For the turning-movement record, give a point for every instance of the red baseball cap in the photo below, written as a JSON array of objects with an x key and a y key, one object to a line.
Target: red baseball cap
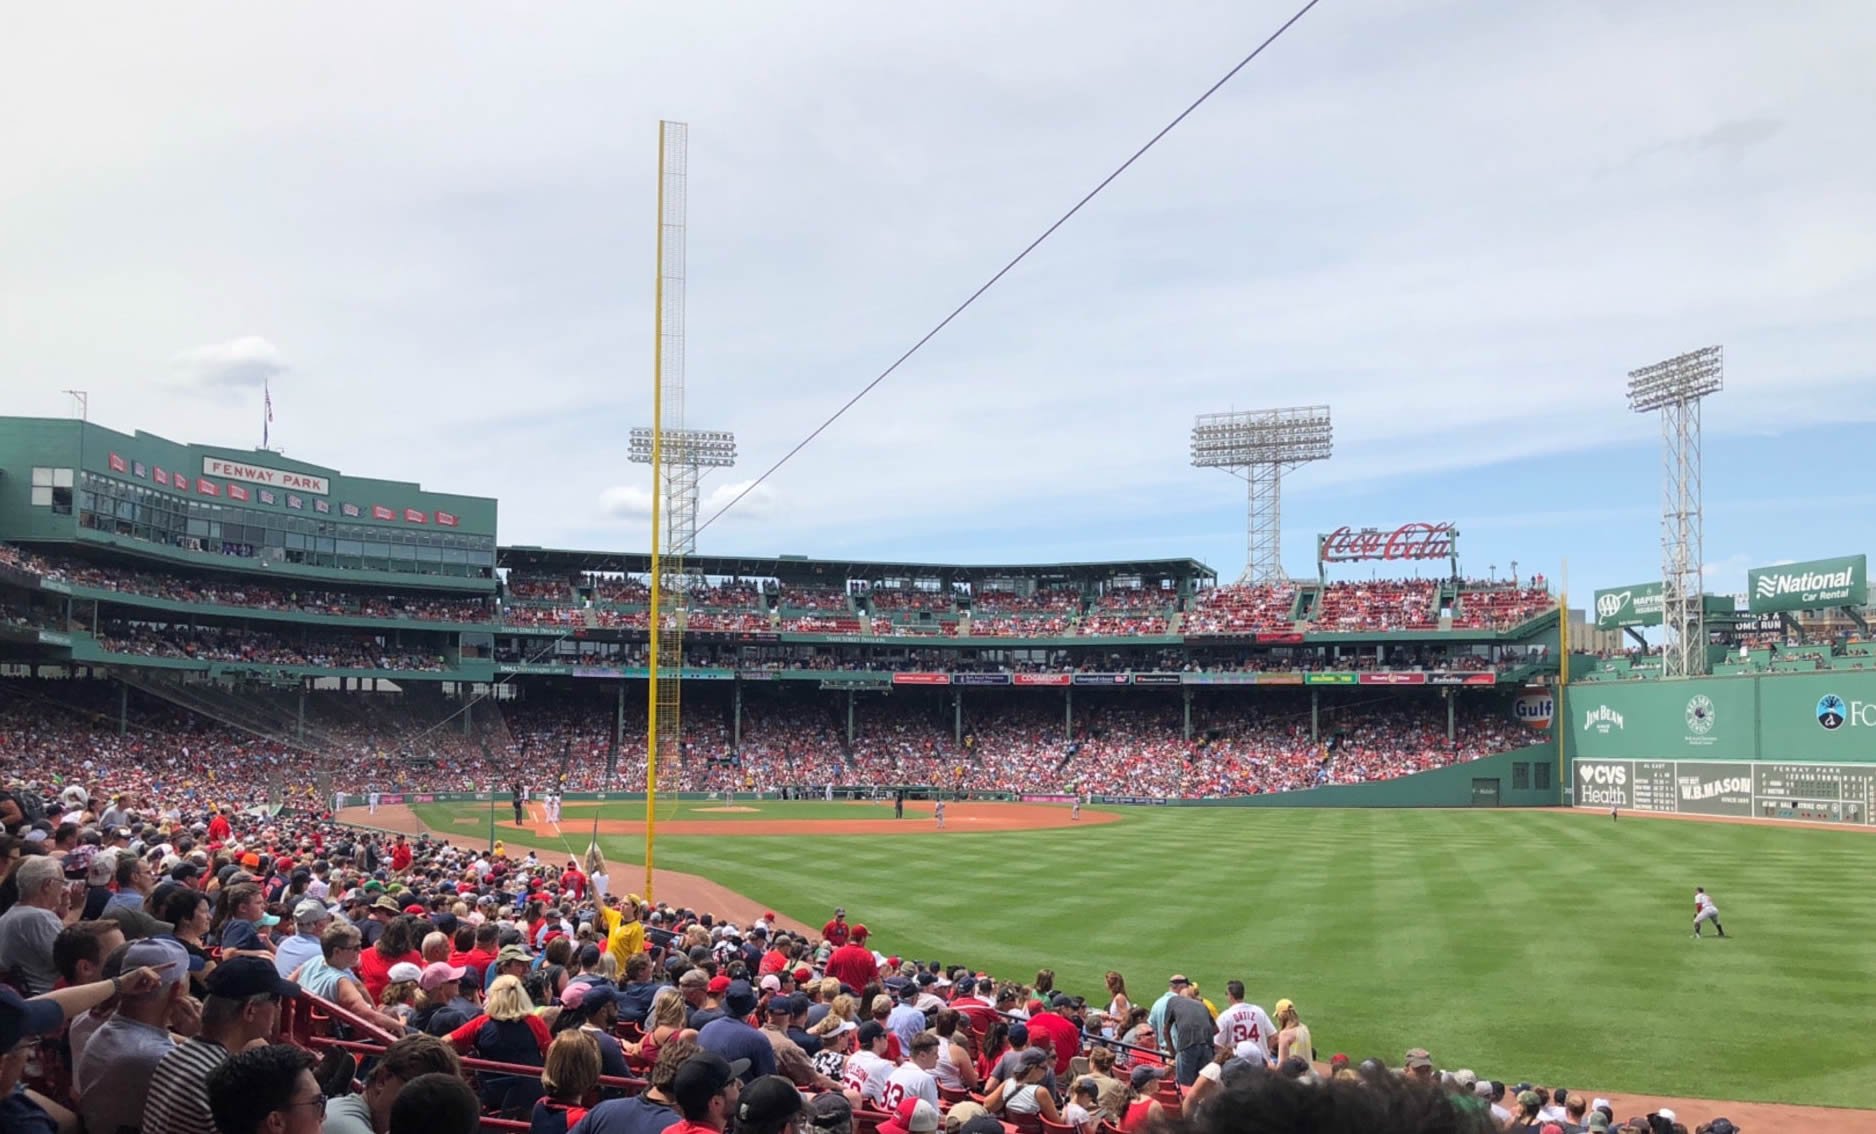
[
  {"x": 803, "y": 973},
  {"x": 719, "y": 984},
  {"x": 893, "y": 961},
  {"x": 414, "y": 908},
  {"x": 768, "y": 915}
]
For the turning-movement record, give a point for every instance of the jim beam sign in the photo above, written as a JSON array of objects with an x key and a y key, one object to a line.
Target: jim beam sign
[
  {"x": 1621, "y": 607},
  {"x": 1817, "y": 585},
  {"x": 1409, "y": 541}
]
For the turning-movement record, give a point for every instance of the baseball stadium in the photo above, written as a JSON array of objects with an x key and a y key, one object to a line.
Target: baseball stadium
[{"x": 1417, "y": 812}]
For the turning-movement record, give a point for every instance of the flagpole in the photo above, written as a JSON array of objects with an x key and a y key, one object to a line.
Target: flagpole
[{"x": 267, "y": 411}]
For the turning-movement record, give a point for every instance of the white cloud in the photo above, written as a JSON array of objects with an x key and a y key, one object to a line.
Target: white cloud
[
  {"x": 1727, "y": 576},
  {"x": 758, "y": 505},
  {"x": 626, "y": 502},
  {"x": 633, "y": 502},
  {"x": 244, "y": 363}
]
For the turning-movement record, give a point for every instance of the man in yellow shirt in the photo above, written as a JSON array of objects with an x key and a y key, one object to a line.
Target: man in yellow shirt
[{"x": 625, "y": 935}]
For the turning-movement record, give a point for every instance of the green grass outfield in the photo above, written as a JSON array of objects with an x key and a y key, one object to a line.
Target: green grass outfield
[{"x": 1537, "y": 945}]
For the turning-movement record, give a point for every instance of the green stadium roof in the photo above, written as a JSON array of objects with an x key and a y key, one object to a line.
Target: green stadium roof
[{"x": 799, "y": 568}]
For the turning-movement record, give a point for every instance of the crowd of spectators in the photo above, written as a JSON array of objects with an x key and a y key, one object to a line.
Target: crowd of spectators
[
  {"x": 1128, "y": 611},
  {"x": 1264, "y": 607},
  {"x": 611, "y": 601},
  {"x": 537, "y": 586},
  {"x": 1120, "y": 744},
  {"x": 1056, "y": 600},
  {"x": 885, "y": 600},
  {"x": 1500, "y": 607},
  {"x": 826, "y": 599},
  {"x": 1388, "y": 604},
  {"x": 252, "y": 594},
  {"x": 617, "y": 588},
  {"x": 260, "y": 647}
]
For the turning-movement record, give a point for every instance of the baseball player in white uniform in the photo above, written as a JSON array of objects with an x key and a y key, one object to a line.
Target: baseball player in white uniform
[
  {"x": 1705, "y": 910},
  {"x": 938, "y": 813}
]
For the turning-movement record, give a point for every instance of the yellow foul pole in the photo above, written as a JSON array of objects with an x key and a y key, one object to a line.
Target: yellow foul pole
[
  {"x": 1560, "y": 713},
  {"x": 657, "y": 532}
]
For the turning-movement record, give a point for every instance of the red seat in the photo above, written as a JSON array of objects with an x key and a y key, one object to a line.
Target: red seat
[
  {"x": 1024, "y": 1123},
  {"x": 951, "y": 1095},
  {"x": 1051, "y": 1127}
]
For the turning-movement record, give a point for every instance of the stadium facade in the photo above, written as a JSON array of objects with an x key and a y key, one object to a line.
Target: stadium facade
[{"x": 160, "y": 567}]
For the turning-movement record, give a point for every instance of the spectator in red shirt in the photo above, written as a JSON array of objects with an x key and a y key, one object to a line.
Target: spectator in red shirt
[
  {"x": 218, "y": 829},
  {"x": 395, "y": 945},
  {"x": 573, "y": 882},
  {"x": 852, "y": 964},
  {"x": 1064, "y": 1035},
  {"x": 835, "y": 932},
  {"x": 979, "y": 1011},
  {"x": 400, "y": 855}
]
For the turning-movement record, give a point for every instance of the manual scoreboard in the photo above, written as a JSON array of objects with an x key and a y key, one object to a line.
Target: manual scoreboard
[{"x": 1827, "y": 793}]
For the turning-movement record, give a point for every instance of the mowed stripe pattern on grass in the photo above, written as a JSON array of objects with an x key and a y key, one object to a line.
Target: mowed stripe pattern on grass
[{"x": 1540, "y": 945}]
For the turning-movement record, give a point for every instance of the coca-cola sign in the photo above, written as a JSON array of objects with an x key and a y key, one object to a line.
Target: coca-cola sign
[{"x": 1409, "y": 541}]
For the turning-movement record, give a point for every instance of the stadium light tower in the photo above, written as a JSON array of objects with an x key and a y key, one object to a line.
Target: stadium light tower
[
  {"x": 686, "y": 455},
  {"x": 1258, "y": 445},
  {"x": 1675, "y": 388}
]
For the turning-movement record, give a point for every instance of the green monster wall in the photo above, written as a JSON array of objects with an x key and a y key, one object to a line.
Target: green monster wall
[
  {"x": 1767, "y": 746},
  {"x": 1812, "y": 717}
]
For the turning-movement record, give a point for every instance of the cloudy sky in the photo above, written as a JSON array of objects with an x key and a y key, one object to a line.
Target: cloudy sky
[{"x": 1459, "y": 224}]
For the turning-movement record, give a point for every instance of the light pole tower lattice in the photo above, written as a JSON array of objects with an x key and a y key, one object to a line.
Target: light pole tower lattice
[
  {"x": 686, "y": 455},
  {"x": 1675, "y": 388},
  {"x": 1258, "y": 445}
]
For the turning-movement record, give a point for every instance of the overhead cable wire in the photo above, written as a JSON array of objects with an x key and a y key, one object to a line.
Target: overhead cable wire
[{"x": 1005, "y": 270}]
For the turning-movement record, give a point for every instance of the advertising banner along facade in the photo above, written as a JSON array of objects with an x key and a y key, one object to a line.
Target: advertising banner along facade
[
  {"x": 1637, "y": 605},
  {"x": 1816, "y": 585}
]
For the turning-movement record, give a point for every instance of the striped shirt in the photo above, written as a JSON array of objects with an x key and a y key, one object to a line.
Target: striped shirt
[{"x": 178, "y": 1102}]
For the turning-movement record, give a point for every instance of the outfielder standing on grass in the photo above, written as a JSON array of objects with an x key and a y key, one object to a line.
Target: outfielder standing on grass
[{"x": 1705, "y": 910}]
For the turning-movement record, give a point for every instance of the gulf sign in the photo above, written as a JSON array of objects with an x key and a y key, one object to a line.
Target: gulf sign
[{"x": 1534, "y": 709}]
